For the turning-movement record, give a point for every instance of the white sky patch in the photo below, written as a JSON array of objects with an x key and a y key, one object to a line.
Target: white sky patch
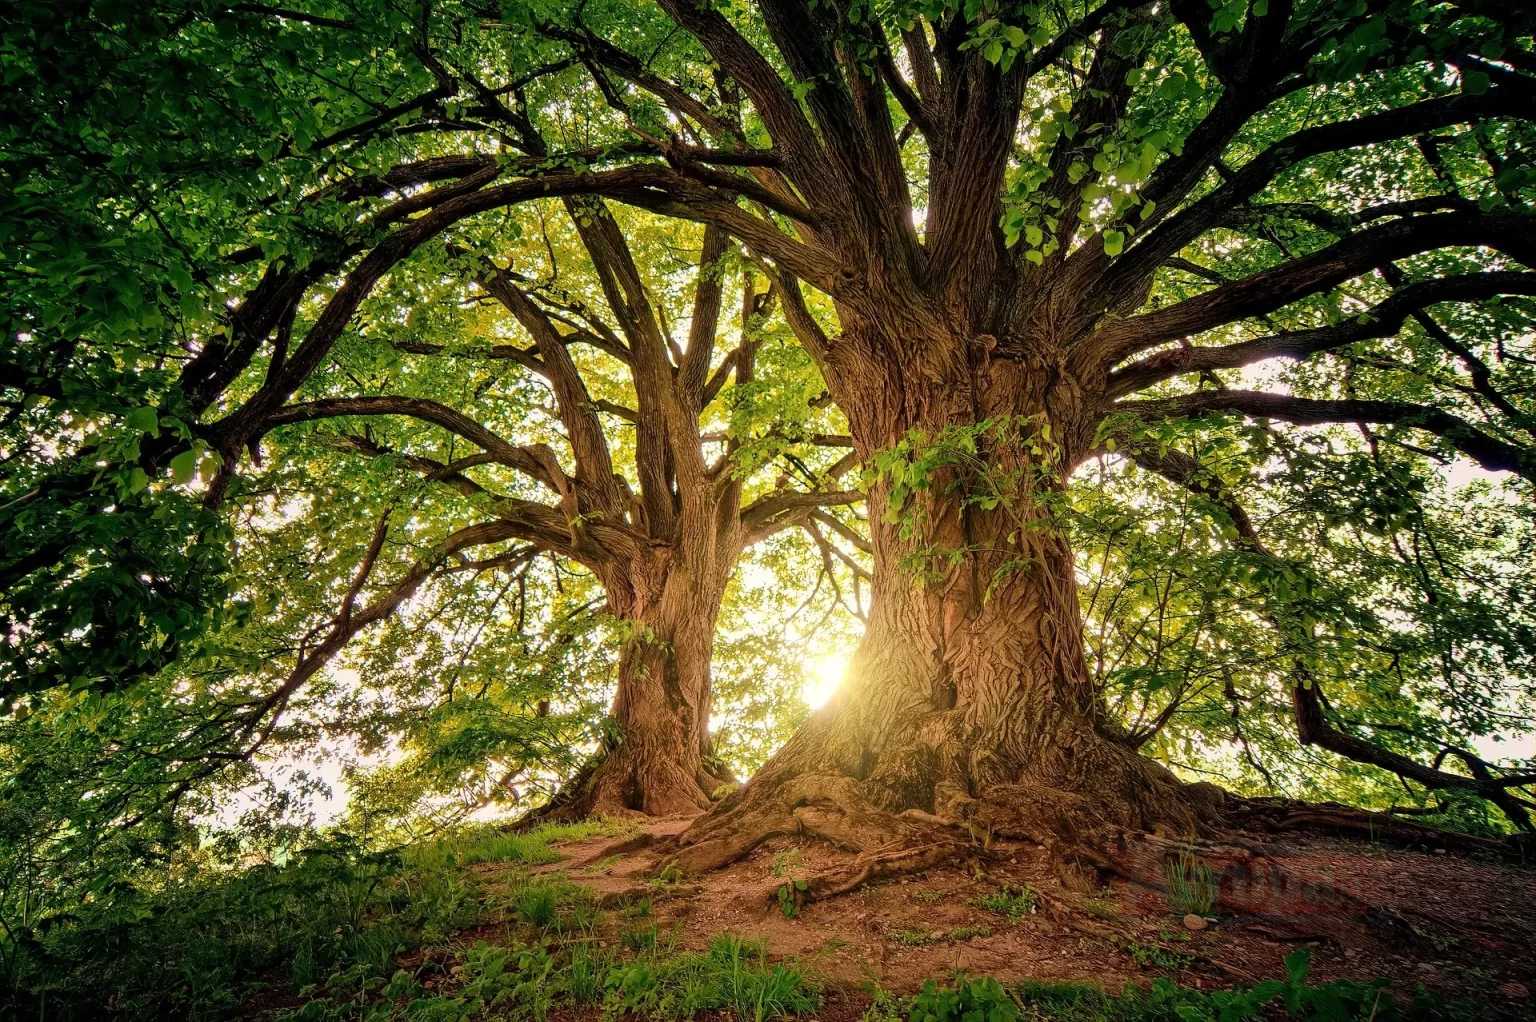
[{"x": 1511, "y": 745}]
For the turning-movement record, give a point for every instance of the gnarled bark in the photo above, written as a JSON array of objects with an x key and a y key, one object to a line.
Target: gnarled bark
[
  {"x": 968, "y": 710},
  {"x": 661, "y": 763}
]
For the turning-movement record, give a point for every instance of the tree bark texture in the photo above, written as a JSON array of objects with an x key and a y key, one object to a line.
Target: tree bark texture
[
  {"x": 661, "y": 764},
  {"x": 968, "y": 703}
]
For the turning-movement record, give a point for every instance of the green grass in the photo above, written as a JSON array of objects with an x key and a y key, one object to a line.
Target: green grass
[
  {"x": 537, "y": 906},
  {"x": 1015, "y": 903},
  {"x": 1101, "y": 906},
  {"x": 635, "y": 908},
  {"x": 917, "y": 938},
  {"x": 733, "y": 975},
  {"x": 490, "y": 843},
  {"x": 1165, "y": 1001},
  {"x": 1153, "y": 955},
  {"x": 334, "y": 924},
  {"x": 1192, "y": 886},
  {"x": 640, "y": 938},
  {"x": 912, "y": 938}
]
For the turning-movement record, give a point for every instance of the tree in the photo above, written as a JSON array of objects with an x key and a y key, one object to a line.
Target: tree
[
  {"x": 662, "y": 549},
  {"x": 661, "y": 541},
  {"x": 1073, "y": 160},
  {"x": 1028, "y": 233}
]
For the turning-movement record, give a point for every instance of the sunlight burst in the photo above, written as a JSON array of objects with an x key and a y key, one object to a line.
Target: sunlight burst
[{"x": 825, "y": 675}]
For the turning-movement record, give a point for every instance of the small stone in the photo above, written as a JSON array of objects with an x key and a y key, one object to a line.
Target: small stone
[
  {"x": 1514, "y": 991},
  {"x": 1426, "y": 967},
  {"x": 1439, "y": 851},
  {"x": 1194, "y": 922}
]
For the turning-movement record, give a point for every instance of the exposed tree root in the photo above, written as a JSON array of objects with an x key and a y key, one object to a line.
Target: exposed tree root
[
  {"x": 865, "y": 868},
  {"x": 611, "y": 785},
  {"x": 1275, "y": 815},
  {"x": 831, "y": 809},
  {"x": 1091, "y": 840}
]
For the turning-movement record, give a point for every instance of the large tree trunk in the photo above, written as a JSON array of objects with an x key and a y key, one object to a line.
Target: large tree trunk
[
  {"x": 968, "y": 704},
  {"x": 661, "y": 762}
]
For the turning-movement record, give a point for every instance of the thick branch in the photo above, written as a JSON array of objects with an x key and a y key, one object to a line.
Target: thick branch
[
  {"x": 1272, "y": 289},
  {"x": 1383, "y": 320},
  {"x": 776, "y": 511},
  {"x": 531, "y": 462},
  {"x": 1493, "y": 454},
  {"x": 1184, "y": 227},
  {"x": 594, "y": 464}
]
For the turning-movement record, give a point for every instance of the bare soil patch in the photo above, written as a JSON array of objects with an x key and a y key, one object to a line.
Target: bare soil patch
[{"x": 1457, "y": 925}]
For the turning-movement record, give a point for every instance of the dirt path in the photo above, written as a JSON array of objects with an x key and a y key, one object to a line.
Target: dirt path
[{"x": 1455, "y": 925}]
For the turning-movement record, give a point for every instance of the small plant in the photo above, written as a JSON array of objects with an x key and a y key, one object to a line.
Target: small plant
[
  {"x": 640, "y": 938},
  {"x": 1013, "y": 903},
  {"x": 1169, "y": 933},
  {"x": 1152, "y": 955},
  {"x": 636, "y": 908},
  {"x": 969, "y": 1000},
  {"x": 1192, "y": 887},
  {"x": 1101, "y": 906},
  {"x": 931, "y": 897},
  {"x": 607, "y": 862},
  {"x": 791, "y": 893},
  {"x": 785, "y": 862},
  {"x": 913, "y": 938},
  {"x": 884, "y": 1006},
  {"x": 671, "y": 875},
  {"x": 967, "y": 932},
  {"x": 584, "y": 918},
  {"x": 537, "y": 906},
  {"x": 587, "y": 970}
]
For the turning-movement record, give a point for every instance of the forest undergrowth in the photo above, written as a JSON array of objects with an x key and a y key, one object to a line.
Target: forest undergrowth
[{"x": 482, "y": 924}]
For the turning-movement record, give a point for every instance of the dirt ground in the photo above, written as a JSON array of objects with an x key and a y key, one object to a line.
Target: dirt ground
[{"x": 1457, "y": 925}]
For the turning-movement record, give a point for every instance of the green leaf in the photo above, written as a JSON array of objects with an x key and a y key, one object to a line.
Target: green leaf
[
  {"x": 1114, "y": 242},
  {"x": 145, "y": 420},
  {"x": 184, "y": 467}
]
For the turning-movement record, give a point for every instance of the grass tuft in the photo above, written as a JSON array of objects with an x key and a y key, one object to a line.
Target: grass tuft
[
  {"x": 1192, "y": 887},
  {"x": 1015, "y": 903}
]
